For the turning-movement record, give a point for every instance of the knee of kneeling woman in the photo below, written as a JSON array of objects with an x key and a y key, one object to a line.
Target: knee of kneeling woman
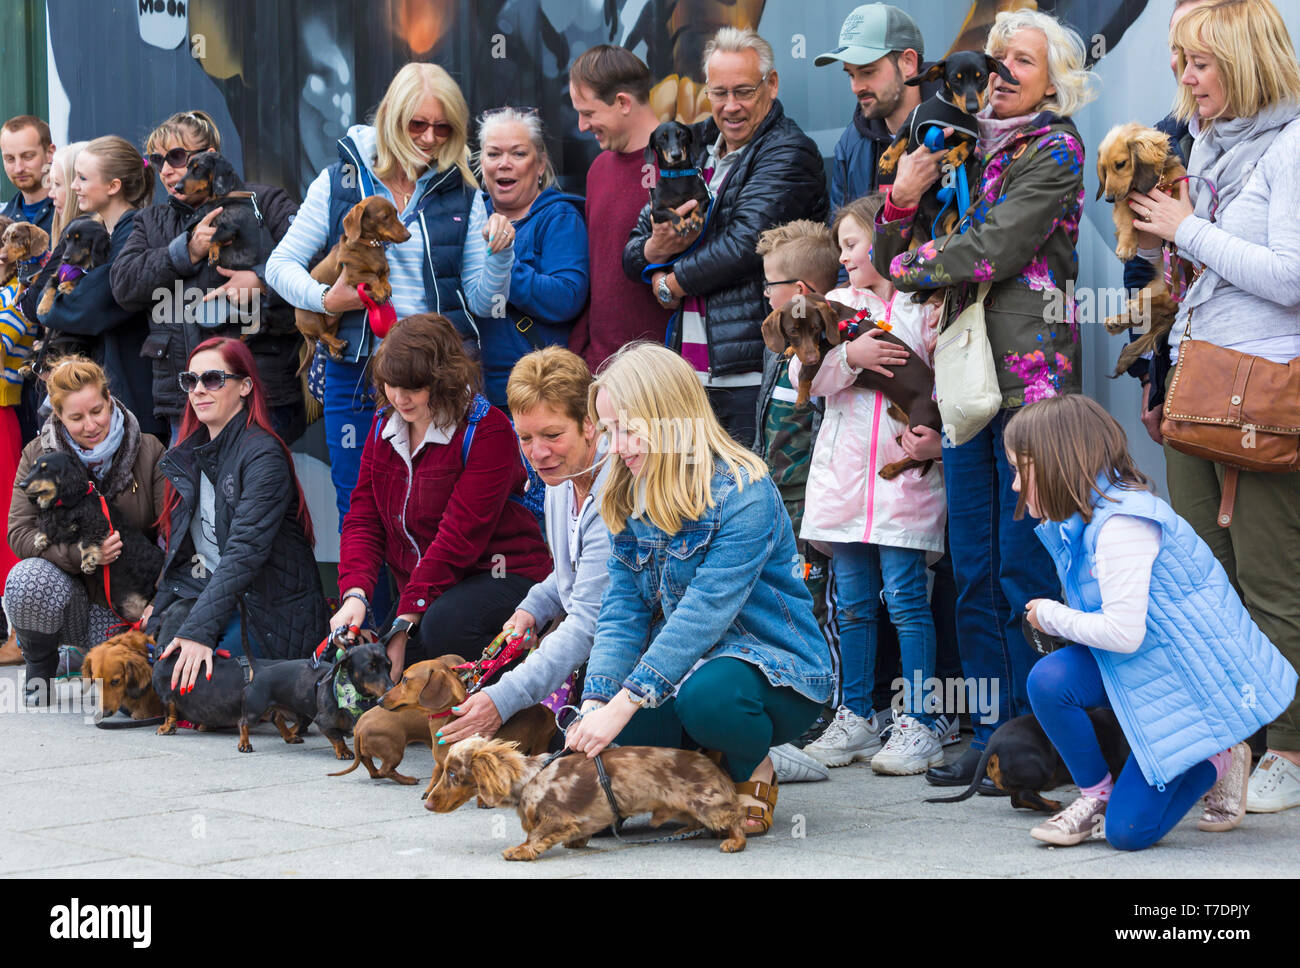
[{"x": 35, "y": 582}]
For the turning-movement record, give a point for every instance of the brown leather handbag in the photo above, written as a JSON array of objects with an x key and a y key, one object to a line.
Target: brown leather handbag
[{"x": 1235, "y": 409}]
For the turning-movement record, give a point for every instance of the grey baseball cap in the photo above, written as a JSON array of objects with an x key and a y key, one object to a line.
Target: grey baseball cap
[{"x": 870, "y": 32}]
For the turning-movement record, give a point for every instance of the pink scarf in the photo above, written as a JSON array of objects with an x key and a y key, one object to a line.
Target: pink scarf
[{"x": 997, "y": 133}]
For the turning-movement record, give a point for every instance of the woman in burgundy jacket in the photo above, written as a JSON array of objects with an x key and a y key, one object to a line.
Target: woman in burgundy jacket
[{"x": 442, "y": 513}]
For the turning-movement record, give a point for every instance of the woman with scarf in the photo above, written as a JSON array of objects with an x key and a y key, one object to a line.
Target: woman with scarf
[
  {"x": 1020, "y": 240},
  {"x": 48, "y": 600},
  {"x": 1237, "y": 225}
]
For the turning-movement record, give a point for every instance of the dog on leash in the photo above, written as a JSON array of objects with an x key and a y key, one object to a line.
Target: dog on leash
[
  {"x": 671, "y": 148},
  {"x": 23, "y": 245},
  {"x": 565, "y": 804},
  {"x": 121, "y": 665}
]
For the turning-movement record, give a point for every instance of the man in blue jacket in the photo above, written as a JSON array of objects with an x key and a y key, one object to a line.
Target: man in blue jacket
[{"x": 28, "y": 154}]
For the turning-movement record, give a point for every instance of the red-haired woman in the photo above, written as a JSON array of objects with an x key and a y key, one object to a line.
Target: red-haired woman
[{"x": 239, "y": 569}]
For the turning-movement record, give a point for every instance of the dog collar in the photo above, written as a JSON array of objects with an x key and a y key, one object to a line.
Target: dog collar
[
  {"x": 684, "y": 173},
  {"x": 850, "y": 328},
  {"x": 37, "y": 260}
]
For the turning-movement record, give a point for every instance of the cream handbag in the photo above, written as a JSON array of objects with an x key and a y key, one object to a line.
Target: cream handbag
[{"x": 965, "y": 378}]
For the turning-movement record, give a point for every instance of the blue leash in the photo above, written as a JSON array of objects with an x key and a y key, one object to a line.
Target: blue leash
[
  {"x": 648, "y": 272},
  {"x": 956, "y": 194}
]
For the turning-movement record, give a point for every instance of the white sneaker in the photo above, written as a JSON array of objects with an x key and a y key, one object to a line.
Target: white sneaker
[
  {"x": 912, "y": 748},
  {"x": 793, "y": 765},
  {"x": 848, "y": 738},
  {"x": 1274, "y": 786},
  {"x": 948, "y": 728}
]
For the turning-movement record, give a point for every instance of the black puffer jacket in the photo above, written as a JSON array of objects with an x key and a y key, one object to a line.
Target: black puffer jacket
[
  {"x": 146, "y": 274},
  {"x": 267, "y": 572},
  {"x": 779, "y": 178}
]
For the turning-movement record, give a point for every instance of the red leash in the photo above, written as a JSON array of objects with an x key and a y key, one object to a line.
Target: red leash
[{"x": 108, "y": 587}]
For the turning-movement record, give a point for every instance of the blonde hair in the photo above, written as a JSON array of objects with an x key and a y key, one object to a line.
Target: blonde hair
[
  {"x": 658, "y": 397},
  {"x": 551, "y": 376},
  {"x": 119, "y": 160},
  {"x": 862, "y": 210},
  {"x": 1249, "y": 44},
  {"x": 1066, "y": 57},
  {"x": 70, "y": 375},
  {"x": 803, "y": 249},
  {"x": 394, "y": 148},
  {"x": 65, "y": 160},
  {"x": 532, "y": 124},
  {"x": 188, "y": 127},
  {"x": 737, "y": 40}
]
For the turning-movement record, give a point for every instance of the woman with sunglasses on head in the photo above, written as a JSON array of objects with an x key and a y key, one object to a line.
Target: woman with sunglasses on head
[
  {"x": 48, "y": 599},
  {"x": 239, "y": 572},
  {"x": 163, "y": 268},
  {"x": 456, "y": 263},
  {"x": 112, "y": 182},
  {"x": 548, "y": 284}
]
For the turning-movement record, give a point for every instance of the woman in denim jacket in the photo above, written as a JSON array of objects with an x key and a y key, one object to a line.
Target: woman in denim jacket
[{"x": 706, "y": 633}]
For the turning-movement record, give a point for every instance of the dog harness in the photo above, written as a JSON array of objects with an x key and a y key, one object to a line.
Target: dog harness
[
  {"x": 851, "y": 328},
  {"x": 683, "y": 173}
]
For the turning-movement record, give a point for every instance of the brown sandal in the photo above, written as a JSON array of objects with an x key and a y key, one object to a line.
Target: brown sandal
[{"x": 755, "y": 814}]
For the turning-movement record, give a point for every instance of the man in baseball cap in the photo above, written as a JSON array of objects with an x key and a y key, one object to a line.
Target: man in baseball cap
[{"x": 880, "y": 47}]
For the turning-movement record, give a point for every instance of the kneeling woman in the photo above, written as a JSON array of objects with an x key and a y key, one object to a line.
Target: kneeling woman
[
  {"x": 707, "y": 630},
  {"x": 239, "y": 572},
  {"x": 437, "y": 499},
  {"x": 47, "y": 598}
]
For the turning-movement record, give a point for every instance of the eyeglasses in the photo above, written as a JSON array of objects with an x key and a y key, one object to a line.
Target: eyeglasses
[
  {"x": 212, "y": 380},
  {"x": 743, "y": 95},
  {"x": 441, "y": 129},
  {"x": 769, "y": 286},
  {"x": 177, "y": 157}
]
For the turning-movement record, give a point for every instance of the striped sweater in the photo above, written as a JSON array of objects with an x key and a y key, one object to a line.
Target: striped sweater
[{"x": 16, "y": 342}]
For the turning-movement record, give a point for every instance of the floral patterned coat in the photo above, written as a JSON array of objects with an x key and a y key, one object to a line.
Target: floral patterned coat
[{"x": 1024, "y": 241}]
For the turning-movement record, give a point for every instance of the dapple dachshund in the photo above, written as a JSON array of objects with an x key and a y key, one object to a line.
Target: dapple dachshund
[
  {"x": 121, "y": 667},
  {"x": 565, "y": 803},
  {"x": 211, "y": 182},
  {"x": 23, "y": 244},
  {"x": 671, "y": 148},
  {"x": 359, "y": 255},
  {"x": 809, "y": 326}
]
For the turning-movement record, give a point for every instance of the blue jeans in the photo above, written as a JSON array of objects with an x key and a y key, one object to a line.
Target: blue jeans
[
  {"x": 861, "y": 571},
  {"x": 999, "y": 565},
  {"x": 1062, "y": 688}
]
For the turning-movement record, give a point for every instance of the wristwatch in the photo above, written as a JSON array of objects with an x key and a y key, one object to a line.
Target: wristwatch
[
  {"x": 398, "y": 627},
  {"x": 662, "y": 291}
]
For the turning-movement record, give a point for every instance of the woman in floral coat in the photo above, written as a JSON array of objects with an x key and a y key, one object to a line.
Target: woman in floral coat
[{"x": 1021, "y": 237}]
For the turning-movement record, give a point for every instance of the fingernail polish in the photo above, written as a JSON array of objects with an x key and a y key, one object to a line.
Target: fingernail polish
[{"x": 442, "y": 742}]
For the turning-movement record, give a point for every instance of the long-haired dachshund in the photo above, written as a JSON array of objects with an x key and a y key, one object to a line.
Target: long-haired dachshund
[
  {"x": 358, "y": 255},
  {"x": 85, "y": 245},
  {"x": 808, "y": 326},
  {"x": 565, "y": 804},
  {"x": 121, "y": 666},
  {"x": 23, "y": 244}
]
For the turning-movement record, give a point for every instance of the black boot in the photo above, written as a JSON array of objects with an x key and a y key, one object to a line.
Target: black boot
[
  {"x": 41, "y": 652},
  {"x": 961, "y": 771}
]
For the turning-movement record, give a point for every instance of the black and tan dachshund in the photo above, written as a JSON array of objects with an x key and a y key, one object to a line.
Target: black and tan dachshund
[
  {"x": 965, "y": 76},
  {"x": 671, "y": 149},
  {"x": 1021, "y": 760},
  {"x": 211, "y": 182},
  {"x": 69, "y": 511},
  {"x": 85, "y": 245}
]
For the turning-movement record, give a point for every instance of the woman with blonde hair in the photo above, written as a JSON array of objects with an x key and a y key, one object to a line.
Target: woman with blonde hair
[
  {"x": 456, "y": 262},
  {"x": 707, "y": 633},
  {"x": 1236, "y": 224},
  {"x": 61, "y": 175}
]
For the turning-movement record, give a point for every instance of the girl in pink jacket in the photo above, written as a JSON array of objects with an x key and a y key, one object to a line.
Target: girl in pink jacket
[{"x": 879, "y": 531}]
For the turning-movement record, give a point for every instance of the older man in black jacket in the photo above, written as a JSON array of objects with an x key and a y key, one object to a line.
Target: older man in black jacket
[{"x": 763, "y": 171}]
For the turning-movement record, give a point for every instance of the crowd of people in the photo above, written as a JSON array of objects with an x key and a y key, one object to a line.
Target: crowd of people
[{"x": 717, "y": 561}]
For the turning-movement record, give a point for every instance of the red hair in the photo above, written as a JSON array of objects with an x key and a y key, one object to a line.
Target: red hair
[{"x": 239, "y": 361}]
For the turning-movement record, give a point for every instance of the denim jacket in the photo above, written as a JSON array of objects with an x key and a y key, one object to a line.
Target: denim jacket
[{"x": 729, "y": 584}]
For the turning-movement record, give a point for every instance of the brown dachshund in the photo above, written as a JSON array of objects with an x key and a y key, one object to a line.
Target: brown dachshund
[
  {"x": 433, "y": 688},
  {"x": 808, "y": 327},
  {"x": 565, "y": 804},
  {"x": 359, "y": 255},
  {"x": 383, "y": 734},
  {"x": 121, "y": 665},
  {"x": 22, "y": 243},
  {"x": 1134, "y": 158}
]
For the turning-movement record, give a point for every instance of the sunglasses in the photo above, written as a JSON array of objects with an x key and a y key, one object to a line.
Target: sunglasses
[
  {"x": 441, "y": 129},
  {"x": 177, "y": 158},
  {"x": 212, "y": 380}
]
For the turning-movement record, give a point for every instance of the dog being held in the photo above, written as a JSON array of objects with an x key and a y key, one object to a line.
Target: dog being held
[
  {"x": 85, "y": 245},
  {"x": 1021, "y": 760},
  {"x": 671, "y": 149},
  {"x": 565, "y": 804},
  {"x": 1135, "y": 158},
  {"x": 210, "y": 181},
  {"x": 808, "y": 326},
  {"x": 359, "y": 256},
  {"x": 966, "y": 76},
  {"x": 69, "y": 511},
  {"x": 121, "y": 666},
  {"x": 23, "y": 245}
]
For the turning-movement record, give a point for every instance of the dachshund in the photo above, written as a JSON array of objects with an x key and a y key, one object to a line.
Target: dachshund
[
  {"x": 211, "y": 182},
  {"x": 1021, "y": 760},
  {"x": 70, "y": 510},
  {"x": 809, "y": 326},
  {"x": 1134, "y": 158},
  {"x": 383, "y": 734},
  {"x": 966, "y": 75},
  {"x": 433, "y": 687},
  {"x": 358, "y": 254},
  {"x": 121, "y": 666},
  {"x": 561, "y": 801},
  {"x": 85, "y": 245},
  {"x": 24, "y": 245},
  {"x": 670, "y": 149}
]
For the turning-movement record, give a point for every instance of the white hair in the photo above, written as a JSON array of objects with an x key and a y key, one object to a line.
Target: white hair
[
  {"x": 736, "y": 40},
  {"x": 1066, "y": 56},
  {"x": 531, "y": 122}
]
